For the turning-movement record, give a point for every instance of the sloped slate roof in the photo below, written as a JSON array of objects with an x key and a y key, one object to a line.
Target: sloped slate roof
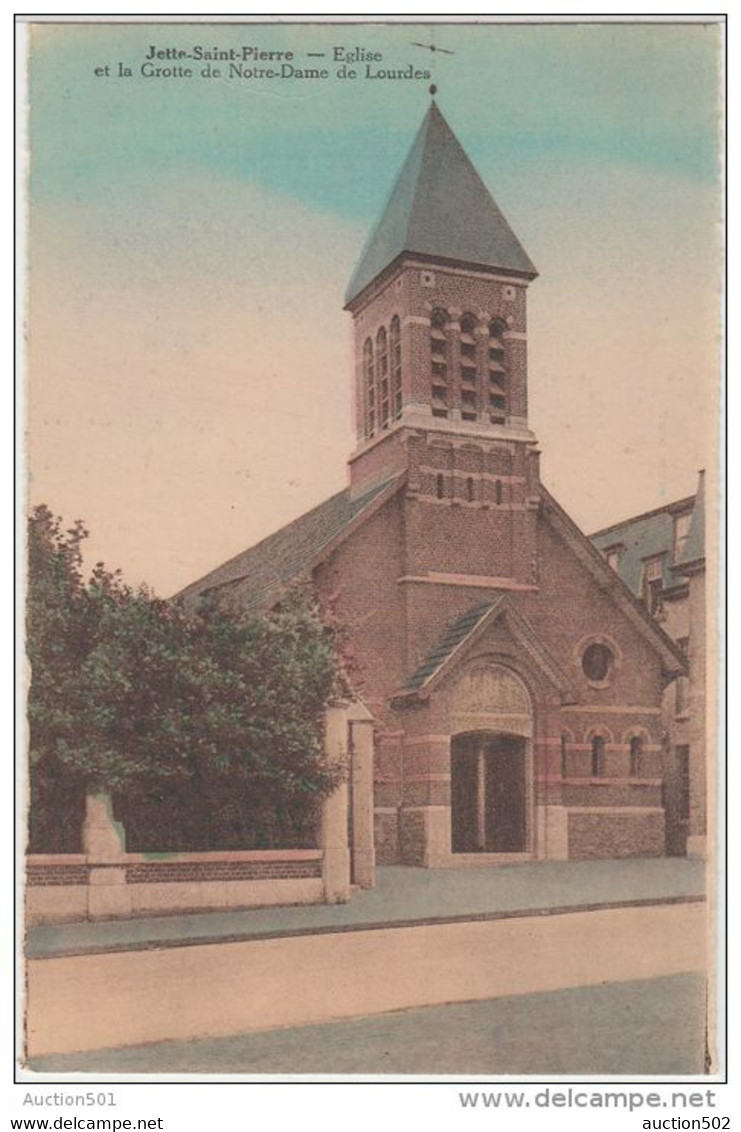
[
  {"x": 694, "y": 547},
  {"x": 624, "y": 597},
  {"x": 266, "y": 568},
  {"x": 440, "y": 207},
  {"x": 643, "y": 537},
  {"x": 453, "y": 636}
]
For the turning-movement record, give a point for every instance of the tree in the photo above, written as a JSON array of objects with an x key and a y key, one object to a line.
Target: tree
[{"x": 216, "y": 719}]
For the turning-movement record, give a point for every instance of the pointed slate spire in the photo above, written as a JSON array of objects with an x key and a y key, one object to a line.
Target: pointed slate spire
[{"x": 440, "y": 207}]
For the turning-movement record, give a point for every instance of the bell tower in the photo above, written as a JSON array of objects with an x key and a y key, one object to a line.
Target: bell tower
[{"x": 438, "y": 301}]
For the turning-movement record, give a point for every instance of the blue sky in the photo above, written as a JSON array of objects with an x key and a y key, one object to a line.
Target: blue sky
[
  {"x": 186, "y": 235},
  {"x": 638, "y": 95}
]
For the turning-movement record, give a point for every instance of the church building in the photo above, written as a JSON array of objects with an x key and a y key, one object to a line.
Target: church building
[{"x": 514, "y": 679}]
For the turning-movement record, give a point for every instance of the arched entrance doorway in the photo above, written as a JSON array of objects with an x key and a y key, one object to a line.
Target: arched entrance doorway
[
  {"x": 491, "y": 718},
  {"x": 488, "y": 793}
]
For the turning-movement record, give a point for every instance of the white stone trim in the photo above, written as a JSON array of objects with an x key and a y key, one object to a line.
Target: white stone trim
[
  {"x": 465, "y": 581},
  {"x": 425, "y": 740},
  {"x": 475, "y": 273},
  {"x": 614, "y": 810},
  {"x": 475, "y": 504},
  {"x": 612, "y": 708}
]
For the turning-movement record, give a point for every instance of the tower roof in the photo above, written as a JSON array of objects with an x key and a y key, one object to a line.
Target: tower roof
[{"x": 440, "y": 207}]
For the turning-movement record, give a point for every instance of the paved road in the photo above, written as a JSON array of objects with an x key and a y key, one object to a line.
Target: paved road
[
  {"x": 171, "y": 993},
  {"x": 646, "y": 1027},
  {"x": 401, "y": 895}
]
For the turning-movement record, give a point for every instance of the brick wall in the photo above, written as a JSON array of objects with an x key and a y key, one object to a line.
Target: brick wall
[
  {"x": 153, "y": 872},
  {"x": 593, "y": 835},
  {"x": 57, "y": 874}
]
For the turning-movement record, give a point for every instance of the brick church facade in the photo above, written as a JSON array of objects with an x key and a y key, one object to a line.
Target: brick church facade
[{"x": 514, "y": 679}]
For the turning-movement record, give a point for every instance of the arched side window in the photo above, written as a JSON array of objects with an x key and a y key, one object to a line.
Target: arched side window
[
  {"x": 395, "y": 349},
  {"x": 469, "y": 370},
  {"x": 369, "y": 385},
  {"x": 439, "y": 362},
  {"x": 598, "y": 756},
  {"x": 564, "y": 756},
  {"x": 497, "y": 391},
  {"x": 636, "y": 756},
  {"x": 382, "y": 373}
]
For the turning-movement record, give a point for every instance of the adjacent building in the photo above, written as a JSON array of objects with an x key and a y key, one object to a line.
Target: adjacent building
[{"x": 660, "y": 555}]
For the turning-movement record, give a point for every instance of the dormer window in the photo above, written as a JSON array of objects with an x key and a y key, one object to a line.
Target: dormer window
[
  {"x": 653, "y": 583},
  {"x": 439, "y": 362},
  {"x": 612, "y": 557},
  {"x": 681, "y": 531}
]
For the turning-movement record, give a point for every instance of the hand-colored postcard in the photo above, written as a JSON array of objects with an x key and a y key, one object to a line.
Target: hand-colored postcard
[{"x": 373, "y": 380}]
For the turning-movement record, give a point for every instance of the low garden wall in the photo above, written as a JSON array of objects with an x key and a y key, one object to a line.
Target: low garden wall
[
  {"x": 67, "y": 887},
  {"x": 106, "y": 882}
]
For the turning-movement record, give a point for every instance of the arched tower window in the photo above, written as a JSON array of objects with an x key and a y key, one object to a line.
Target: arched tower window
[
  {"x": 636, "y": 756},
  {"x": 369, "y": 385},
  {"x": 497, "y": 372},
  {"x": 439, "y": 362},
  {"x": 382, "y": 367},
  {"x": 469, "y": 373},
  {"x": 395, "y": 350}
]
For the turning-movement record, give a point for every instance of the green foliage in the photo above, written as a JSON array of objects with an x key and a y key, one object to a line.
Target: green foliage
[{"x": 221, "y": 711}]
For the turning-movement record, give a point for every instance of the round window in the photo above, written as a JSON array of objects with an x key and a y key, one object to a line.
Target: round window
[{"x": 596, "y": 662}]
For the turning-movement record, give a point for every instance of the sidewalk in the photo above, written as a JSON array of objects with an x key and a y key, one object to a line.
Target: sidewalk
[{"x": 403, "y": 896}]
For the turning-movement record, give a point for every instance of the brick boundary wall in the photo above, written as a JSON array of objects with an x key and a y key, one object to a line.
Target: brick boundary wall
[
  {"x": 38, "y": 875},
  {"x": 155, "y": 872},
  {"x": 74, "y": 868},
  {"x": 68, "y": 887}
]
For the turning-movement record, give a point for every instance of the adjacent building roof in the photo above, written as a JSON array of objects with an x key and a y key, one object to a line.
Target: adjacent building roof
[
  {"x": 693, "y": 552},
  {"x": 440, "y": 207},
  {"x": 263, "y": 572},
  {"x": 642, "y": 537}
]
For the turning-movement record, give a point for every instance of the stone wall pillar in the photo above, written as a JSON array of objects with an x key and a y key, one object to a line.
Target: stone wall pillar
[
  {"x": 334, "y": 840},
  {"x": 102, "y": 836},
  {"x": 361, "y": 784},
  {"x": 551, "y": 833},
  {"x": 104, "y": 842}
]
